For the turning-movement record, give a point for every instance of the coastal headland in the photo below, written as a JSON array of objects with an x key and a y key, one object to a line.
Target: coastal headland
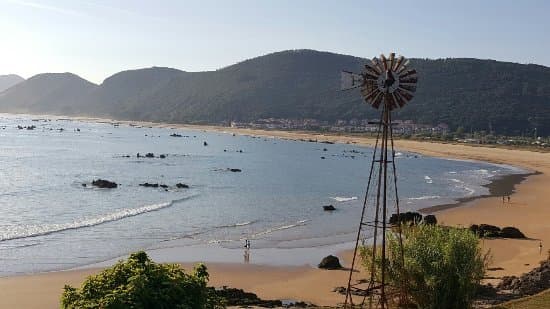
[{"x": 527, "y": 210}]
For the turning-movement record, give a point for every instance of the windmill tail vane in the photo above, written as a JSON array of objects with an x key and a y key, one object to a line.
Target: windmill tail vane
[{"x": 390, "y": 83}]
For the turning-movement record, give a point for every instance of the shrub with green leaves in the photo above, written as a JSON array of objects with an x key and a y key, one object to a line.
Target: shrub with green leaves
[
  {"x": 141, "y": 283},
  {"x": 442, "y": 268}
]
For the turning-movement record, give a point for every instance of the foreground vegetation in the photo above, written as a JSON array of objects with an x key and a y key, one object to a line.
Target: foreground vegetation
[
  {"x": 442, "y": 267},
  {"x": 541, "y": 300},
  {"x": 141, "y": 283}
]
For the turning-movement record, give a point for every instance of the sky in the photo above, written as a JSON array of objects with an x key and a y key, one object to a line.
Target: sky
[{"x": 95, "y": 39}]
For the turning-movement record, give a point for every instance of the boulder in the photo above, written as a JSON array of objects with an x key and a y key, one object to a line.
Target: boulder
[
  {"x": 150, "y": 155},
  {"x": 487, "y": 230},
  {"x": 330, "y": 262},
  {"x": 430, "y": 220},
  {"x": 328, "y": 208},
  {"x": 162, "y": 156},
  {"x": 149, "y": 185},
  {"x": 234, "y": 170},
  {"x": 102, "y": 183},
  {"x": 511, "y": 232},
  {"x": 407, "y": 217},
  {"x": 180, "y": 185}
]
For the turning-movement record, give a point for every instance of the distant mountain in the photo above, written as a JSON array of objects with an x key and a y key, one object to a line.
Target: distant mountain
[
  {"x": 58, "y": 93},
  {"x": 476, "y": 94},
  {"x": 6, "y": 81}
]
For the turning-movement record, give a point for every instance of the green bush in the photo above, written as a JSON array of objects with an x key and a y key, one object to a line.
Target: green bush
[
  {"x": 141, "y": 283},
  {"x": 442, "y": 266}
]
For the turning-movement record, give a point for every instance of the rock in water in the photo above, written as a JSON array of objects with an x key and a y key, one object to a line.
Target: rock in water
[
  {"x": 180, "y": 185},
  {"x": 330, "y": 262},
  {"x": 102, "y": 183},
  {"x": 235, "y": 170},
  {"x": 328, "y": 208}
]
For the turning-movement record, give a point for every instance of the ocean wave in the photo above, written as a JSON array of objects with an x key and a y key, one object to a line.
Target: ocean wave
[
  {"x": 344, "y": 199},
  {"x": 27, "y": 231},
  {"x": 456, "y": 180},
  {"x": 426, "y": 197},
  {"x": 239, "y": 224},
  {"x": 279, "y": 228}
]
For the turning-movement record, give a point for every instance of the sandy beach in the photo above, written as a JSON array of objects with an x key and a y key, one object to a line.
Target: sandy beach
[{"x": 527, "y": 210}]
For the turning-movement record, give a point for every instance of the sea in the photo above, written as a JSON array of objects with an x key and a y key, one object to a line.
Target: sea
[{"x": 53, "y": 218}]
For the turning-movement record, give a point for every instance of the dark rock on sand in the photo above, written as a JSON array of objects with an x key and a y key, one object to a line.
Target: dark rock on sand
[
  {"x": 529, "y": 283},
  {"x": 430, "y": 220},
  {"x": 511, "y": 232},
  {"x": 238, "y": 297},
  {"x": 330, "y": 262},
  {"x": 406, "y": 217},
  {"x": 102, "y": 183},
  {"x": 486, "y": 230},
  {"x": 328, "y": 208}
]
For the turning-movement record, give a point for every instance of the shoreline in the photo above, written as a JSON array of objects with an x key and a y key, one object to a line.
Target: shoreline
[
  {"x": 525, "y": 211},
  {"x": 501, "y": 186}
]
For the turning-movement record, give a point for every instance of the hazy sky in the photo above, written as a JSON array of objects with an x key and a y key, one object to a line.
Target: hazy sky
[{"x": 95, "y": 39}]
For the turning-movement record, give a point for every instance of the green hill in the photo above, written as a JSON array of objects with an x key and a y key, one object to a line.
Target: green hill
[{"x": 508, "y": 98}]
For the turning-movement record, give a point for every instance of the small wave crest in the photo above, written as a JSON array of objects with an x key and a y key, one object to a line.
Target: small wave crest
[
  {"x": 344, "y": 199},
  {"x": 279, "y": 228},
  {"x": 26, "y": 231},
  {"x": 427, "y": 197},
  {"x": 239, "y": 224}
]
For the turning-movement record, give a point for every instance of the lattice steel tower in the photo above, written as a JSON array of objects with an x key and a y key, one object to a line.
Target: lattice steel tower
[{"x": 386, "y": 82}]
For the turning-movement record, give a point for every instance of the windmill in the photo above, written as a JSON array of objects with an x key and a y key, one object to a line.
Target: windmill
[{"x": 388, "y": 83}]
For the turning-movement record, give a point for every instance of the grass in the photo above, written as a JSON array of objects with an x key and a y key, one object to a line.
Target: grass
[{"x": 541, "y": 300}]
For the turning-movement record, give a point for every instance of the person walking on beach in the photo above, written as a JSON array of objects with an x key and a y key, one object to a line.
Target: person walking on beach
[
  {"x": 508, "y": 199},
  {"x": 540, "y": 247},
  {"x": 503, "y": 199}
]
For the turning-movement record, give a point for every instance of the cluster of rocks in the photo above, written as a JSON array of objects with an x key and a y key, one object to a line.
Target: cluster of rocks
[
  {"x": 103, "y": 183},
  {"x": 179, "y": 185},
  {"x": 412, "y": 218},
  {"x": 27, "y": 127},
  {"x": 330, "y": 262},
  {"x": 487, "y": 230},
  {"x": 238, "y": 297},
  {"x": 234, "y": 170},
  {"x": 106, "y": 184},
  {"x": 150, "y": 155},
  {"x": 529, "y": 283}
]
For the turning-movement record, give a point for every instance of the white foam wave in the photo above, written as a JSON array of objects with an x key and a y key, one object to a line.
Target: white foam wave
[
  {"x": 237, "y": 224},
  {"x": 456, "y": 180},
  {"x": 427, "y": 197},
  {"x": 25, "y": 231},
  {"x": 344, "y": 199},
  {"x": 427, "y": 178},
  {"x": 279, "y": 228}
]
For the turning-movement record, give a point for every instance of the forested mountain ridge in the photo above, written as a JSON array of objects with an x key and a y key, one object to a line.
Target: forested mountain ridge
[{"x": 508, "y": 98}]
